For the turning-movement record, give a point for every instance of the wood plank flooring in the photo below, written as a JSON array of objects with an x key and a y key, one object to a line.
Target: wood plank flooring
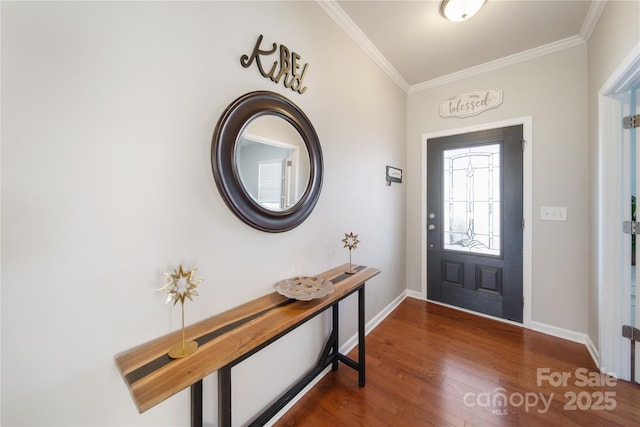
[{"x": 429, "y": 365}]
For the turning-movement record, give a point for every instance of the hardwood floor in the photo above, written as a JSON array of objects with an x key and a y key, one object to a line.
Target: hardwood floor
[{"x": 429, "y": 365}]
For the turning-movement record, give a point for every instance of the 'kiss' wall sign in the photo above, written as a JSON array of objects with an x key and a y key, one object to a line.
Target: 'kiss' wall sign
[
  {"x": 471, "y": 103},
  {"x": 286, "y": 67}
]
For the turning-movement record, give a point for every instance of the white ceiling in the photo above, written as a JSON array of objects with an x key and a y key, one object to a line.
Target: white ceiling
[{"x": 417, "y": 46}]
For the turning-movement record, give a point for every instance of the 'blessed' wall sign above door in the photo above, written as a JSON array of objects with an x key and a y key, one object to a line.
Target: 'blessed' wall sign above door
[
  {"x": 471, "y": 103},
  {"x": 286, "y": 67}
]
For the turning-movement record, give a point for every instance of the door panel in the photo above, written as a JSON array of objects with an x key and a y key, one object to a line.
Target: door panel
[{"x": 474, "y": 221}]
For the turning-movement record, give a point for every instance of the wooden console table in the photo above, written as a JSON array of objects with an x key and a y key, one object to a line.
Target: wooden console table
[{"x": 229, "y": 338}]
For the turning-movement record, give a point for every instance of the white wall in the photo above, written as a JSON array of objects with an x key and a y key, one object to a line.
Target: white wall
[
  {"x": 108, "y": 111},
  {"x": 552, "y": 90}
]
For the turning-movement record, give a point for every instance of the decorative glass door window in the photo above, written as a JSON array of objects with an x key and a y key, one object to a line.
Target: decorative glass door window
[{"x": 472, "y": 205}]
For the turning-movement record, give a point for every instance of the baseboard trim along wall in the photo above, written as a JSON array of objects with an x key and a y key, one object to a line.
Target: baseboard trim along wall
[
  {"x": 414, "y": 294},
  {"x": 593, "y": 351},
  {"x": 559, "y": 332},
  {"x": 566, "y": 334}
]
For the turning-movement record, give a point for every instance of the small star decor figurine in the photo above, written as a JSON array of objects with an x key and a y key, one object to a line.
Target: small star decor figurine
[
  {"x": 180, "y": 285},
  {"x": 350, "y": 241}
]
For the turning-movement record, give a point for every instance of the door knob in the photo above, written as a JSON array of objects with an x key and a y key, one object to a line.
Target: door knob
[{"x": 431, "y": 227}]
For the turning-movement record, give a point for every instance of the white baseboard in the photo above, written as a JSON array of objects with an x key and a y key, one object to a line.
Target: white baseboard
[
  {"x": 415, "y": 294},
  {"x": 593, "y": 351},
  {"x": 559, "y": 332},
  {"x": 371, "y": 324},
  {"x": 571, "y": 336},
  {"x": 344, "y": 349}
]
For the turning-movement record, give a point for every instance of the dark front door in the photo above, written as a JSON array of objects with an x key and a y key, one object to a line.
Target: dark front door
[{"x": 474, "y": 221}]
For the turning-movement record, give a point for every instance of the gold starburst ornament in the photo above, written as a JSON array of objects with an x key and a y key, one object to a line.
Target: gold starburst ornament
[
  {"x": 350, "y": 241},
  {"x": 181, "y": 284}
]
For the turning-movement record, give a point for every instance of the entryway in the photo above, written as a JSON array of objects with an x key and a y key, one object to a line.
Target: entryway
[{"x": 477, "y": 196}]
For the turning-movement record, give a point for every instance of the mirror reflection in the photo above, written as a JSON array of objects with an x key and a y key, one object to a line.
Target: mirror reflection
[{"x": 272, "y": 162}]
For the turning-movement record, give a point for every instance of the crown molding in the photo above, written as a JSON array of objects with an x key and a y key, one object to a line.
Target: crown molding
[
  {"x": 337, "y": 14},
  {"x": 591, "y": 20},
  {"x": 332, "y": 9},
  {"x": 526, "y": 55}
]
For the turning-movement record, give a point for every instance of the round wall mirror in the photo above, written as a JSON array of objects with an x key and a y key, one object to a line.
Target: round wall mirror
[{"x": 267, "y": 161}]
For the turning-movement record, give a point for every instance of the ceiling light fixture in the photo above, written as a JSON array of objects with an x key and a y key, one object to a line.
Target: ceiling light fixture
[{"x": 460, "y": 10}]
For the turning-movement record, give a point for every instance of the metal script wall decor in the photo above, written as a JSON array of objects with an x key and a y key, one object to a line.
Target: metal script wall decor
[
  {"x": 471, "y": 103},
  {"x": 286, "y": 67}
]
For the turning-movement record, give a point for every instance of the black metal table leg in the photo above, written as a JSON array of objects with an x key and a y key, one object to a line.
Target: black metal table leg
[
  {"x": 361, "y": 337},
  {"x": 196, "y": 404},
  {"x": 334, "y": 365},
  {"x": 224, "y": 396}
]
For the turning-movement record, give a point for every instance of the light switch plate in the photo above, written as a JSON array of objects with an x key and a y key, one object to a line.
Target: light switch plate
[{"x": 553, "y": 213}]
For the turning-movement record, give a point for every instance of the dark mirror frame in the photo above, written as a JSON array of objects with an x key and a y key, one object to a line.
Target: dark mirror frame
[{"x": 230, "y": 125}]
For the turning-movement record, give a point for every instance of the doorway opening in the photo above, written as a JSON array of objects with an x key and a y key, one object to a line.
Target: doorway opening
[{"x": 618, "y": 160}]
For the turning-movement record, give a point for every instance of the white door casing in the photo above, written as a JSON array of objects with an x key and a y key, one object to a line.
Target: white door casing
[
  {"x": 636, "y": 307},
  {"x": 614, "y": 249}
]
